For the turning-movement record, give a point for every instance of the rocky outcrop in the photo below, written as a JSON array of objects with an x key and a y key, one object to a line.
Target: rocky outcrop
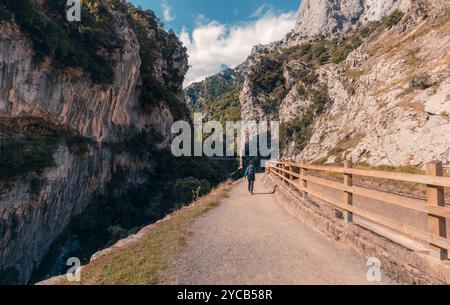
[
  {"x": 327, "y": 17},
  {"x": 387, "y": 102}
]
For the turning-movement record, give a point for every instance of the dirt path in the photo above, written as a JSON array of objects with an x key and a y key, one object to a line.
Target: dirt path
[{"x": 253, "y": 240}]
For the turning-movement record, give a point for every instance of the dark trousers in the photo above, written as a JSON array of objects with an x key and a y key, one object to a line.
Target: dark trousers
[{"x": 251, "y": 184}]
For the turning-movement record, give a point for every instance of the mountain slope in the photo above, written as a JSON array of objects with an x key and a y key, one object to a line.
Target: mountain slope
[
  {"x": 217, "y": 96},
  {"x": 376, "y": 91}
]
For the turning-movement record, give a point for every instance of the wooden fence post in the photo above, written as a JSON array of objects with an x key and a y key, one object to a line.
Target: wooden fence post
[
  {"x": 348, "y": 196},
  {"x": 289, "y": 168},
  {"x": 296, "y": 170},
  {"x": 304, "y": 182},
  {"x": 435, "y": 197}
]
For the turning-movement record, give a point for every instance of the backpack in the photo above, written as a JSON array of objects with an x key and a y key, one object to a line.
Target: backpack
[{"x": 251, "y": 173}]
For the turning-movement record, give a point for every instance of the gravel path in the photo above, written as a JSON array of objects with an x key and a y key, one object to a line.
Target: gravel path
[{"x": 253, "y": 240}]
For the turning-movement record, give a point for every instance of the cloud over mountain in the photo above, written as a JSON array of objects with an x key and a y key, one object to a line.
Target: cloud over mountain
[{"x": 212, "y": 44}]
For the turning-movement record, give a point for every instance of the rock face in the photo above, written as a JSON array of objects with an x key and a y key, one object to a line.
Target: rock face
[
  {"x": 387, "y": 101},
  {"x": 69, "y": 100},
  {"x": 29, "y": 223},
  {"x": 326, "y": 17}
]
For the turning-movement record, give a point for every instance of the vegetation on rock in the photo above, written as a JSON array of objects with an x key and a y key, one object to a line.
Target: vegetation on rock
[
  {"x": 300, "y": 129},
  {"x": 88, "y": 46},
  {"x": 393, "y": 19}
]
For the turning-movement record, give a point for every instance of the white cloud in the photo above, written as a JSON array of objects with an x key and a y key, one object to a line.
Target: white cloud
[
  {"x": 261, "y": 10},
  {"x": 212, "y": 45},
  {"x": 167, "y": 12},
  {"x": 201, "y": 19}
]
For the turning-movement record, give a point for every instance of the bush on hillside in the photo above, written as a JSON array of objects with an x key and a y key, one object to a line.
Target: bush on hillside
[
  {"x": 421, "y": 81},
  {"x": 393, "y": 19}
]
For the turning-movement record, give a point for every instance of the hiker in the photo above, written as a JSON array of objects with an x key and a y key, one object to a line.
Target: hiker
[{"x": 250, "y": 173}]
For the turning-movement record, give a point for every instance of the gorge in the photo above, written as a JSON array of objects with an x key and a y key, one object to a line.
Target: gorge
[
  {"x": 86, "y": 112},
  {"x": 87, "y": 127}
]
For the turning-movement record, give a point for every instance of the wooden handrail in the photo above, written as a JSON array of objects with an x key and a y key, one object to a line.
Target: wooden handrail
[
  {"x": 295, "y": 174},
  {"x": 414, "y": 178},
  {"x": 394, "y": 199}
]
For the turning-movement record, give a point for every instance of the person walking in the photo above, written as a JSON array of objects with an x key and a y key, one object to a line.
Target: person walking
[{"x": 250, "y": 173}]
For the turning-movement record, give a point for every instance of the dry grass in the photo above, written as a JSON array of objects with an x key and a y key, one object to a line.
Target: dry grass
[
  {"x": 417, "y": 106},
  {"x": 411, "y": 58},
  {"x": 355, "y": 73},
  {"x": 344, "y": 144},
  {"x": 144, "y": 261}
]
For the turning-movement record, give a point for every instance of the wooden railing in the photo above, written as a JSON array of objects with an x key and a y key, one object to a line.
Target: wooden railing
[{"x": 296, "y": 175}]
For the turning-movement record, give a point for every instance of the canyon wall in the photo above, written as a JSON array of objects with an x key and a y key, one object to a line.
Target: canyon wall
[{"x": 106, "y": 115}]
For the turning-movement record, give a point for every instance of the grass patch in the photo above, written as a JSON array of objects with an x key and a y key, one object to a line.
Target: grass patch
[
  {"x": 355, "y": 73},
  {"x": 145, "y": 261},
  {"x": 412, "y": 59}
]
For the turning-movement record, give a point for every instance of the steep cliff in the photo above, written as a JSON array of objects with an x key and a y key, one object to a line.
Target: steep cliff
[
  {"x": 327, "y": 17},
  {"x": 358, "y": 80},
  {"x": 125, "y": 89},
  {"x": 72, "y": 98}
]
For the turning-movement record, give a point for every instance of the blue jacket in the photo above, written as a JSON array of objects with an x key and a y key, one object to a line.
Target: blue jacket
[{"x": 247, "y": 171}]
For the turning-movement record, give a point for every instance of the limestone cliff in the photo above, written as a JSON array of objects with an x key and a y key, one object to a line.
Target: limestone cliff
[
  {"x": 70, "y": 98},
  {"x": 42, "y": 97},
  {"x": 326, "y": 17},
  {"x": 357, "y": 80}
]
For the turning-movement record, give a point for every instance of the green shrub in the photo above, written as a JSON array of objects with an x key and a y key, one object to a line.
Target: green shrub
[
  {"x": 324, "y": 58},
  {"x": 340, "y": 55},
  {"x": 308, "y": 76},
  {"x": 20, "y": 157},
  {"x": 367, "y": 30},
  {"x": 226, "y": 107},
  {"x": 393, "y": 19},
  {"x": 189, "y": 189},
  {"x": 117, "y": 233},
  {"x": 421, "y": 81},
  {"x": 5, "y": 15},
  {"x": 300, "y": 129},
  {"x": 320, "y": 48}
]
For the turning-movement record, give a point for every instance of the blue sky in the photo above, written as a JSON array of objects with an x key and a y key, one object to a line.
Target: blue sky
[
  {"x": 222, "y": 33},
  {"x": 186, "y": 12}
]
